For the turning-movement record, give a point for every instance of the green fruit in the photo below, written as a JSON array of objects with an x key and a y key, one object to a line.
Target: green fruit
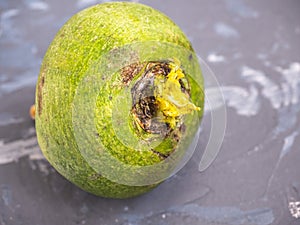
[{"x": 119, "y": 99}]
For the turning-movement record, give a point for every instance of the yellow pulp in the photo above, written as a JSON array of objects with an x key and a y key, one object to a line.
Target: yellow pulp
[{"x": 171, "y": 100}]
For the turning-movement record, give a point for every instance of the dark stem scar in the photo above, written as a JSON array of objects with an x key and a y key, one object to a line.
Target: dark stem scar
[
  {"x": 40, "y": 93},
  {"x": 144, "y": 105},
  {"x": 145, "y": 110},
  {"x": 130, "y": 71}
]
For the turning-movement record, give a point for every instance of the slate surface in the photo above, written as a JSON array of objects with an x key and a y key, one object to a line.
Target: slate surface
[{"x": 254, "y": 50}]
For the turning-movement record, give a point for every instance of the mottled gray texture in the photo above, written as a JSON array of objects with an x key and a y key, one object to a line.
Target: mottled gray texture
[{"x": 253, "y": 48}]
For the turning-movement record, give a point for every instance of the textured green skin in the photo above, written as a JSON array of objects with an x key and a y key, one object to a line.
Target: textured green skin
[{"x": 86, "y": 36}]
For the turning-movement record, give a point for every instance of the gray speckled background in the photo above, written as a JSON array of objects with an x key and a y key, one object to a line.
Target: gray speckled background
[{"x": 253, "y": 47}]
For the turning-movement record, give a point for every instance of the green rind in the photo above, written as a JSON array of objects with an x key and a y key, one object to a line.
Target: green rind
[{"x": 86, "y": 36}]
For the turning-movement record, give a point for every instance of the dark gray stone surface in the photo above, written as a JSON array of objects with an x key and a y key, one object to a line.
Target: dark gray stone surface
[{"x": 254, "y": 50}]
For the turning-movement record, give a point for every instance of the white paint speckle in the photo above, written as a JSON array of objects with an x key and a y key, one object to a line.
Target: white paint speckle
[
  {"x": 262, "y": 56},
  {"x": 43, "y": 167},
  {"x": 225, "y": 30},
  {"x": 289, "y": 113},
  {"x": 241, "y": 9},
  {"x": 6, "y": 194},
  {"x": 267, "y": 63},
  {"x": 28, "y": 79},
  {"x": 34, "y": 50},
  {"x": 86, "y": 3},
  {"x": 237, "y": 55},
  {"x": 292, "y": 77},
  {"x": 288, "y": 143},
  {"x": 270, "y": 90},
  {"x": 164, "y": 216},
  {"x": 6, "y": 119},
  {"x": 38, "y": 5},
  {"x": 225, "y": 214},
  {"x": 9, "y": 14},
  {"x": 294, "y": 208},
  {"x": 84, "y": 209},
  {"x": 13, "y": 151},
  {"x": 244, "y": 101},
  {"x": 215, "y": 58}
]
